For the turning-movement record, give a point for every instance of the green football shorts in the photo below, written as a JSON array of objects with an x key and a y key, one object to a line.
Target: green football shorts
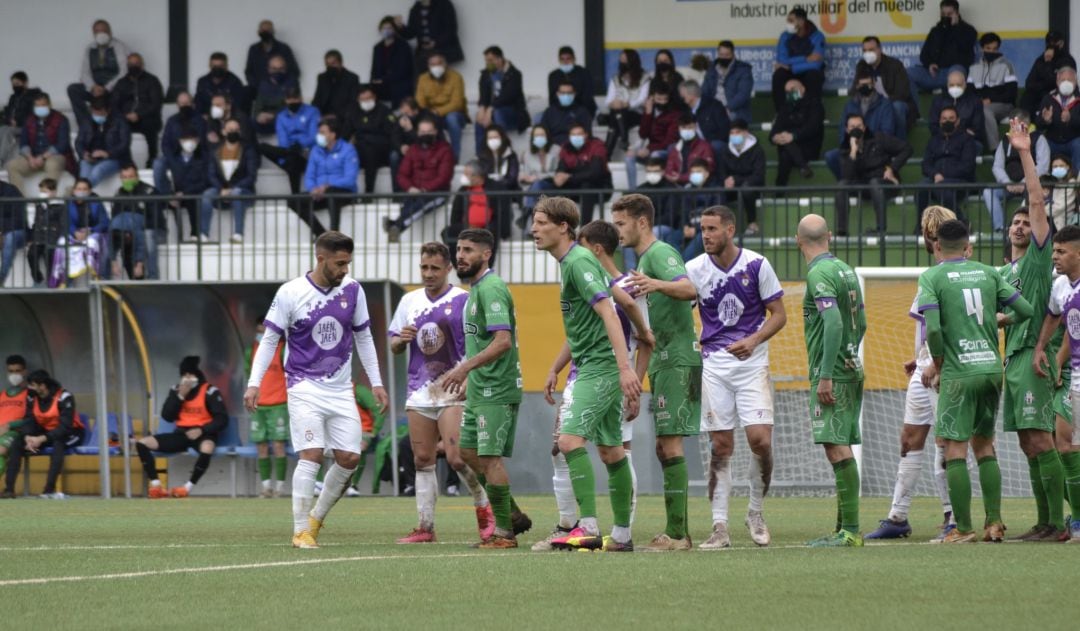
[
  {"x": 489, "y": 428},
  {"x": 270, "y": 423},
  {"x": 837, "y": 424},
  {"x": 1029, "y": 398},
  {"x": 968, "y": 406},
  {"x": 676, "y": 401}
]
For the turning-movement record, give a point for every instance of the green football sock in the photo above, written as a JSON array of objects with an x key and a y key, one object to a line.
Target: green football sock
[
  {"x": 620, "y": 491},
  {"x": 321, "y": 474},
  {"x": 1053, "y": 482},
  {"x": 264, "y": 469},
  {"x": 960, "y": 492},
  {"x": 281, "y": 468},
  {"x": 359, "y": 471},
  {"x": 499, "y": 496},
  {"x": 676, "y": 483},
  {"x": 513, "y": 505},
  {"x": 1071, "y": 461},
  {"x": 1042, "y": 508},
  {"x": 482, "y": 479},
  {"x": 847, "y": 493},
  {"x": 990, "y": 481},
  {"x": 3, "y": 466},
  {"x": 583, "y": 481}
]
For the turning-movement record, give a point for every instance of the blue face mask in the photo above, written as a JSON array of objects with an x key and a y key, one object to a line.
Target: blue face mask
[
  {"x": 697, "y": 178},
  {"x": 1059, "y": 172},
  {"x": 98, "y": 118},
  {"x": 736, "y": 141},
  {"x": 539, "y": 141},
  {"x": 566, "y": 100},
  {"x": 687, "y": 134},
  {"x": 567, "y": 68},
  {"x": 41, "y": 111},
  {"x": 577, "y": 141}
]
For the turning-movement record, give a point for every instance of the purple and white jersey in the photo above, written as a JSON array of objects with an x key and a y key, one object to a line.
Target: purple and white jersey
[
  {"x": 318, "y": 325},
  {"x": 732, "y": 302},
  {"x": 1065, "y": 302},
  {"x": 439, "y": 344},
  {"x": 629, "y": 330},
  {"x": 922, "y": 351}
]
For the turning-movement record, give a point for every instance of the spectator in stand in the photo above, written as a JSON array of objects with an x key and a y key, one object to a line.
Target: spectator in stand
[
  {"x": 500, "y": 163},
  {"x": 1008, "y": 171},
  {"x": 428, "y": 167},
  {"x": 12, "y": 227},
  {"x": 85, "y": 210},
  {"x": 20, "y": 106},
  {"x": 502, "y": 100},
  {"x": 1059, "y": 116},
  {"x": 442, "y": 90},
  {"x": 967, "y": 105},
  {"x": 373, "y": 129},
  {"x": 583, "y": 165},
  {"x": 138, "y": 98},
  {"x": 104, "y": 62},
  {"x": 472, "y": 207},
  {"x": 50, "y": 224},
  {"x": 219, "y": 81},
  {"x": 798, "y": 131},
  {"x": 577, "y": 75},
  {"x": 296, "y": 127},
  {"x": 127, "y": 214},
  {"x": 190, "y": 178},
  {"x": 686, "y": 150},
  {"x": 1042, "y": 80},
  {"x": 625, "y": 100},
  {"x": 409, "y": 115},
  {"x": 261, "y": 53},
  {"x": 874, "y": 110},
  {"x": 800, "y": 54},
  {"x": 870, "y": 163},
  {"x": 743, "y": 164},
  {"x": 231, "y": 172},
  {"x": 44, "y": 145},
  {"x": 712, "y": 122},
  {"x": 186, "y": 118},
  {"x": 949, "y": 46},
  {"x": 1062, "y": 190},
  {"x": 995, "y": 84},
  {"x": 658, "y": 189},
  {"x": 331, "y": 172},
  {"x": 391, "y": 65},
  {"x": 949, "y": 159},
  {"x": 103, "y": 142},
  {"x": 559, "y": 118},
  {"x": 538, "y": 165},
  {"x": 730, "y": 81},
  {"x": 890, "y": 80},
  {"x": 337, "y": 87},
  {"x": 270, "y": 96},
  {"x": 665, "y": 72},
  {"x": 222, "y": 111},
  {"x": 691, "y": 202},
  {"x": 433, "y": 24},
  {"x": 659, "y": 129}
]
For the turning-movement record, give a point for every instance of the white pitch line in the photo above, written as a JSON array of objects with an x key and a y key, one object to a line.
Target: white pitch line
[{"x": 185, "y": 546}]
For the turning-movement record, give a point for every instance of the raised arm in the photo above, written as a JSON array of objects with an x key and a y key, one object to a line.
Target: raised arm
[{"x": 1020, "y": 140}]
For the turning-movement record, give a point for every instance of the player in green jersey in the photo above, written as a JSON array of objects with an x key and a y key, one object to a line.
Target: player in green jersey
[
  {"x": 675, "y": 365},
  {"x": 835, "y": 322},
  {"x": 959, "y": 301},
  {"x": 492, "y": 373},
  {"x": 594, "y": 411},
  {"x": 1028, "y": 405}
]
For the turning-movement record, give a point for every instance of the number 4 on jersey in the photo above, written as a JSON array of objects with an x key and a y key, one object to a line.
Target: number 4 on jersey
[{"x": 973, "y": 302}]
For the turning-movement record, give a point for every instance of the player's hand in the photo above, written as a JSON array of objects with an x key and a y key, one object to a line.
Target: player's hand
[
  {"x": 1040, "y": 364},
  {"x": 642, "y": 285},
  {"x": 1048, "y": 114},
  {"x": 744, "y": 348},
  {"x": 453, "y": 381},
  {"x": 34, "y": 443},
  {"x": 890, "y": 176},
  {"x": 1002, "y": 320},
  {"x": 646, "y": 339},
  {"x": 909, "y": 368},
  {"x": 633, "y": 408},
  {"x": 1019, "y": 137},
  {"x": 381, "y": 397},
  {"x": 550, "y": 384},
  {"x": 251, "y": 399},
  {"x": 193, "y": 433},
  {"x": 407, "y": 334},
  {"x": 929, "y": 376},
  {"x": 825, "y": 392},
  {"x": 630, "y": 385}
]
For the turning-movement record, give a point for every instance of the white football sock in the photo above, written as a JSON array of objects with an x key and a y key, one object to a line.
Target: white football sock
[
  {"x": 633, "y": 498},
  {"x": 590, "y": 526},
  {"x": 907, "y": 477},
  {"x": 267, "y": 484},
  {"x": 479, "y": 495},
  {"x": 720, "y": 480},
  {"x": 189, "y": 485},
  {"x": 155, "y": 483},
  {"x": 279, "y": 486},
  {"x": 758, "y": 485},
  {"x": 427, "y": 484},
  {"x": 303, "y": 493},
  {"x": 941, "y": 479},
  {"x": 620, "y": 534},
  {"x": 564, "y": 492},
  {"x": 337, "y": 478}
]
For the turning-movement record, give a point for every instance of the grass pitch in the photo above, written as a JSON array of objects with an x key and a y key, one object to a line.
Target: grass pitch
[{"x": 218, "y": 563}]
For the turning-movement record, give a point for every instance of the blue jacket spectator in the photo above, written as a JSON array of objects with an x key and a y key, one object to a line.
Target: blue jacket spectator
[
  {"x": 336, "y": 167},
  {"x": 262, "y": 51},
  {"x": 392, "y": 65},
  {"x": 800, "y": 54},
  {"x": 270, "y": 96},
  {"x": 185, "y": 121},
  {"x": 87, "y": 212},
  {"x": 297, "y": 128},
  {"x": 220, "y": 81},
  {"x": 949, "y": 159},
  {"x": 558, "y": 119},
  {"x": 189, "y": 171},
  {"x": 332, "y": 168},
  {"x": 730, "y": 81},
  {"x": 876, "y": 111}
]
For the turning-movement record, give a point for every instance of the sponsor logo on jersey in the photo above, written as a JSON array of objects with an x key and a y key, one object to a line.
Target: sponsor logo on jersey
[
  {"x": 672, "y": 261},
  {"x": 430, "y": 338},
  {"x": 326, "y": 333},
  {"x": 565, "y": 306},
  {"x": 661, "y": 402},
  {"x": 481, "y": 421},
  {"x": 496, "y": 307},
  {"x": 589, "y": 277},
  {"x": 471, "y": 328},
  {"x": 1029, "y": 397}
]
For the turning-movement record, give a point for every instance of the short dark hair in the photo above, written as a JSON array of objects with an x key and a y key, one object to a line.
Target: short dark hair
[
  {"x": 43, "y": 377},
  {"x": 725, "y": 214},
  {"x": 601, "y": 233},
  {"x": 48, "y": 183},
  {"x": 989, "y": 38},
  {"x": 580, "y": 126},
  {"x": 952, "y": 234},
  {"x": 335, "y": 53},
  {"x": 494, "y": 50},
  {"x": 567, "y": 50},
  {"x": 635, "y": 205},
  {"x": 1067, "y": 234},
  {"x": 16, "y": 360},
  {"x": 872, "y": 38},
  {"x": 43, "y": 96},
  {"x": 659, "y": 86},
  {"x": 949, "y": 108},
  {"x": 949, "y": 3},
  {"x": 656, "y": 162},
  {"x": 862, "y": 72},
  {"x": 389, "y": 19},
  {"x": 740, "y": 124},
  {"x": 565, "y": 81},
  {"x": 686, "y": 118},
  {"x": 479, "y": 236},
  {"x": 365, "y": 87},
  {"x": 217, "y": 55},
  {"x": 127, "y": 166},
  {"x": 700, "y": 162},
  {"x": 798, "y": 11},
  {"x": 435, "y": 248},
  {"x": 293, "y": 92},
  {"x": 726, "y": 43},
  {"x": 20, "y": 76},
  {"x": 333, "y": 241},
  {"x": 99, "y": 103},
  {"x": 332, "y": 123}
]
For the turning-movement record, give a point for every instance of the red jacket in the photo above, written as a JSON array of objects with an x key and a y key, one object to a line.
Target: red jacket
[
  {"x": 699, "y": 149},
  {"x": 588, "y": 168},
  {"x": 427, "y": 168},
  {"x": 660, "y": 131}
]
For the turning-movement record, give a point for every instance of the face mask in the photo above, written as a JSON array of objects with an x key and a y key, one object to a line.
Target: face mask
[
  {"x": 991, "y": 57},
  {"x": 98, "y": 118},
  {"x": 189, "y": 146},
  {"x": 80, "y": 194},
  {"x": 41, "y": 111},
  {"x": 865, "y": 90},
  {"x": 321, "y": 140},
  {"x": 697, "y": 178},
  {"x": 437, "y": 71},
  {"x": 566, "y": 68},
  {"x": 945, "y": 22},
  {"x": 293, "y": 107},
  {"x": 465, "y": 180},
  {"x": 956, "y": 91},
  {"x": 278, "y": 77},
  {"x": 333, "y": 71},
  {"x": 218, "y": 72},
  {"x": 856, "y": 133},
  {"x": 870, "y": 57},
  {"x": 18, "y": 89},
  {"x": 791, "y": 28},
  {"x": 135, "y": 70},
  {"x": 566, "y": 100},
  {"x": 659, "y": 107},
  {"x": 491, "y": 67},
  {"x": 687, "y": 134},
  {"x": 232, "y": 137},
  {"x": 266, "y": 36},
  {"x": 948, "y": 127},
  {"x": 387, "y": 33},
  {"x": 577, "y": 141},
  {"x": 367, "y": 106},
  {"x": 187, "y": 111},
  {"x": 664, "y": 68},
  {"x": 129, "y": 185},
  {"x": 45, "y": 194},
  {"x": 102, "y": 39},
  {"x": 15, "y": 379},
  {"x": 217, "y": 113},
  {"x": 426, "y": 139},
  {"x": 1066, "y": 88},
  {"x": 793, "y": 97},
  {"x": 653, "y": 177},
  {"x": 736, "y": 140},
  {"x": 258, "y": 337},
  {"x": 1059, "y": 172},
  {"x": 539, "y": 141},
  {"x": 724, "y": 63},
  {"x": 494, "y": 143}
]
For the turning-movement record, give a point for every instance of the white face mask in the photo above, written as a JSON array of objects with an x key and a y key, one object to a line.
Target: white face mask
[
  {"x": 653, "y": 177},
  {"x": 1066, "y": 88},
  {"x": 791, "y": 28},
  {"x": 956, "y": 91},
  {"x": 367, "y": 106},
  {"x": 870, "y": 57},
  {"x": 15, "y": 379},
  {"x": 217, "y": 113},
  {"x": 437, "y": 71},
  {"x": 494, "y": 143},
  {"x": 102, "y": 39},
  {"x": 44, "y": 194},
  {"x": 465, "y": 180},
  {"x": 188, "y": 146},
  {"x": 687, "y": 134}
]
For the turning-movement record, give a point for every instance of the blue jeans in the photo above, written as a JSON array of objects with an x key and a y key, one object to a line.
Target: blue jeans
[
  {"x": 922, "y": 81},
  {"x": 631, "y": 165},
  {"x": 505, "y": 117},
  {"x": 211, "y": 197},
  {"x": 413, "y": 209},
  {"x": 994, "y": 198},
  {"x": 1071, "y": 149},
  {"x": 13, "y": 241},
  {"x": 153, "y": 238},
  {"x": 695, "y": 248},
  {"x": 455, "y": 122},
  {"x": 900, "y": 111},
  {"x": 98, "y": 171},
  {"x": 134, "y": 224},
  {"x": 538, "y": 186},
  {"x": 161, "y": 175},
  {"x": 832, "y": 160}
]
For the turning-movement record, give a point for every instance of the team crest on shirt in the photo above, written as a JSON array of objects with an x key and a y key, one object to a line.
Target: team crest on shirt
[
  {"x": 661, "y": 402},
  {"x": 589, "y": 277},
  {"x": 309, "y": 436},
  {"x": 344, "y": 303},
  {"x": 671, "y": 261},
  {"x": 1029, "y": 397},
  {"x": 744, "y": 279},
  {"x": 481, "y": 421},
  {"x": 448, "y": 310},
  {"x": 820, "y": 288}
]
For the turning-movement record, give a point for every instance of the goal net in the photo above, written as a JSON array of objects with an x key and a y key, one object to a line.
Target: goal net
[{"x": 800, "y": 467}]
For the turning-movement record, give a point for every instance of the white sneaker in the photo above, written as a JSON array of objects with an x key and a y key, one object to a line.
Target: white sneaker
[
  {"x": 351, "y": 492},
  {"x": 452, "y": 490},
  {"x": 544, "y": 545},
  {"x": 759, "y": 531},
  {"x": 719, "y": 539},
  {"x": 318, "y": 489},
  {"x": 236, "y": 238},
  {"x": 52, "y": 496}
]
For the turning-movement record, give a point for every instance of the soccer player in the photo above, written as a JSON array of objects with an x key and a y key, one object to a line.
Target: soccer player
[
  {"x": 735, "y": 289},
  {"x": 50, "y": 421},
  {"x": 593, "y": 411},
  {"x": 920, "y": 407},
  {"x": 490, "y": 379},
  {"x": 1065, "y": 301},
  {"x": 958, "y": 299},
  {"x": 198, "y": 410},
  {"x": 321, "y": 315},
  {"x": 428, "y": 323},
  {"x": 12, "y": 405},
  {"x": 675, "y": 366},
  {"x": 602, "y": 239},
  {"x": 1028, "y": 396},
  {"x": 270, "y": 422},
  {"x": 835, "y": 322}
]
